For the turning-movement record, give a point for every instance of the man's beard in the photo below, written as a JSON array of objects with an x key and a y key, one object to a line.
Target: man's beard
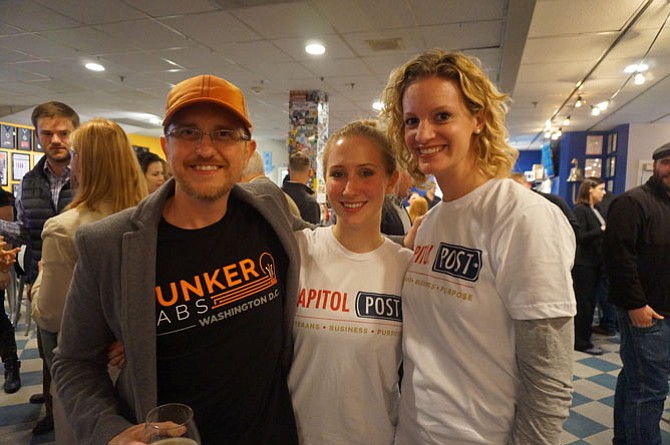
[{"x": 663, "y": 181}]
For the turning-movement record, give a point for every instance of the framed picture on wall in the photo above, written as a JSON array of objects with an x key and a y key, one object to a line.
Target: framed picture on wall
[
  {"x": 609, "y": 144},
  {"x": 24, "y": 139},
  {"x": 20, "y": 165},
  {"x": 594, "y": 144},
  {"x": 7, "y": 136},
  {"x": 612, "y": 169},
  {"x": 614, "y": 142},
  {"x": 15, "y": 188},
  {"x": 645, "y": 170},
  {"x": 36, "y": 158},
  {"x": 4, "y": 156},
  {"x": 36, "y": 142}
]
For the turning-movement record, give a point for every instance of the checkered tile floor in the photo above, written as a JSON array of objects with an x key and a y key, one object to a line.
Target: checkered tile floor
[
  {"x": 590, "y": 420},
  {"x": 17, "y": 415}
]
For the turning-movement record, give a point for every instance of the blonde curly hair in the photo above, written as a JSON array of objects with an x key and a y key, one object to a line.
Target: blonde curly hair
[{"x": 494, "y": 156}]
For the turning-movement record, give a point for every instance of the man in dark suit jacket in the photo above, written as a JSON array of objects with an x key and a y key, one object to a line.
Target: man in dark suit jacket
[{"x": 299, "y": 170}]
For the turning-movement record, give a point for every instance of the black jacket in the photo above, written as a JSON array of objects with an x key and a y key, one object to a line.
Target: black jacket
[
  {"x": 589, "y": 237},
  {"x": 38, "y": 207},
  {"x": 310, "y": 210},
  {"x": 636, "y": 248}
]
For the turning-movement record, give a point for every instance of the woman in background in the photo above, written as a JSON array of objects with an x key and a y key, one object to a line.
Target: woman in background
[
  {"x": 418, "y": 207},
  {"x": 588, "y": 268},
  {"x": 153, "y": 168},
  {"x": 347, "y": 330},
  {"x": 487, "y": 299},
  {"x": 108, "y": 179}
]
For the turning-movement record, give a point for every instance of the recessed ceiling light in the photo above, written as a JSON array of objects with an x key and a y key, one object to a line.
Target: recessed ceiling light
[
  {"x": 94, "y": 66},
  {"x": 315, "y": 48}
]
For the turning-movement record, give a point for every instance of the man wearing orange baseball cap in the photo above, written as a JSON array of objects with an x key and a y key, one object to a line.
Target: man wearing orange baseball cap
[{"x": 193, "y": 281}]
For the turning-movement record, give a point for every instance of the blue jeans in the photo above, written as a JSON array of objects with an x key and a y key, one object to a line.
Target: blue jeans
[
  {"x": 642, "y": 385},
  {"x": 608, "y": 312}
]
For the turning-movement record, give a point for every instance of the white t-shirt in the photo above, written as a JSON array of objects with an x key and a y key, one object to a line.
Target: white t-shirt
[
  {"x": 347, "y": 333},
  {"x": 498, "y": 254}
]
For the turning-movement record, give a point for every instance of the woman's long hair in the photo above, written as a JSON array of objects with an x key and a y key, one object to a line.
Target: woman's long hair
[
  {"x": 584, "y": 194},
  {"x": 495, "y": 157},
  {"x": 108, "y": 170}
]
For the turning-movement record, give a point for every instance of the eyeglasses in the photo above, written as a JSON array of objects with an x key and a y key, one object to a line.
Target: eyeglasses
[{"x": 218, "y": 137}]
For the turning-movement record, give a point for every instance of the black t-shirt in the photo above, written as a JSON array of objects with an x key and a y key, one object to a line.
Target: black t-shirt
[{"x": 220, "y": 297}]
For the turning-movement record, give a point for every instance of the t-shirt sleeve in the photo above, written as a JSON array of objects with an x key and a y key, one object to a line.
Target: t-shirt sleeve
[{"x": 534, "y": 253}]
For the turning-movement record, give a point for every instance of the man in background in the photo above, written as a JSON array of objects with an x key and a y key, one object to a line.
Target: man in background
[
  {"x": 255, "y": 171},
  {"x": 636, "y": 250},
  {"x": 395, "y": 219},
  {"x": 8, "y": 353},
  {"x": 300, "y": 170},
  {"x": 44, "y": 192}
]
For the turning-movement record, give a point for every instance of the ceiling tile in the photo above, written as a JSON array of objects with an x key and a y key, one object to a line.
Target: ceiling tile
[
  {"x": 140, "y": 62},
  {"x": 9, "y": 56},
  {"x": 30, "y": 16},
  {"x": 163, "y": 8},
  {"x": 212, "y": 29},
  {"x": 147, "y": 34},
  {"x": 192, "y": 58},
  {"x": 88, "y": 40},
  {"x": 550, "y": 17},
  {"x": 336, "y": 47},
  {"x": 106, "y": 11},
  {"x": 463, "y": 36},
  {"x": 8, "y": 30},
  {"x": 280, "y": 72},
  {"x": 245, "y": 53},
  {"x": 431, "y": 12},
  {"x": 410, "y": 41},
  {"x": 15, "y": 73},
  {"x": 562, "y": 48},
  {"x": 337, "y": 67},
  {"x": 284, "y": 20},
  {"x": 356, "y": 16},
  {"x": 37, "y": 46}
]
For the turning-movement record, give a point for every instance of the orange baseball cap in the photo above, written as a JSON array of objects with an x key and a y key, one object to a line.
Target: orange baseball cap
[{"x": 207, "y": 89}]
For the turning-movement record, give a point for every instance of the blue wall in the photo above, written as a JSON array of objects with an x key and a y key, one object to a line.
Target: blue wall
[
  {"x": 573, "y": 146},
  {"x": 526, "y": 160}
]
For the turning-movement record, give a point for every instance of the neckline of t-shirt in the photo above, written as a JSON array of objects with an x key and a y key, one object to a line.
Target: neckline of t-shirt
[{"x": 365, "y": 256}]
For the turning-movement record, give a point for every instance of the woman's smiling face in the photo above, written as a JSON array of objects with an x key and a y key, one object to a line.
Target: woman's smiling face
[{"x": 439, "y": 128}]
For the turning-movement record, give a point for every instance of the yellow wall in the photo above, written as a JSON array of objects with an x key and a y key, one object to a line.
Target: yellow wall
[
  {"x": 153, "y": 144},
  {"x": 6, "y": 154}
]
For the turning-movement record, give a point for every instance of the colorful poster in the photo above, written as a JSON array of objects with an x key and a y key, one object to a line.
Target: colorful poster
[{"x": 308, "y": 128}]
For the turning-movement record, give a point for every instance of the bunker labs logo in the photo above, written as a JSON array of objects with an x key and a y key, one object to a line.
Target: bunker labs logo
[
  {"x": 218, "y": 294},
  {"x": 457, "y": 261}
]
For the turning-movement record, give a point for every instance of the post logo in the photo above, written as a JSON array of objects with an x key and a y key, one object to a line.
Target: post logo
[
  {"x": 457, "y": 261},
  {"x": 378, "y": 306}
]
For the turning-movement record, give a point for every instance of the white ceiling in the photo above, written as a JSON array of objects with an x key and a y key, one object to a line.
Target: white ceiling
[{"x": 535, "y": 50}]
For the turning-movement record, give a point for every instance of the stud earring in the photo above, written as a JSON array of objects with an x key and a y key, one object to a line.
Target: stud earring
[{"x": 478, "y": 130}]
